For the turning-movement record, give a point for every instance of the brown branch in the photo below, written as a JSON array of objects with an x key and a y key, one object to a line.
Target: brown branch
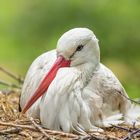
[
  {"x": 104, "y": 137},
  {"x": 120, "y": 127},
  {"x": 132, "y": 134},
  {"x": 134, "y": 125},
  {"x": 9, "y": 84},
  {"x": 40, "y": 138},
  {"x": 59, "y": 133},
  {"x": 26, "y": 134},
  {"x": 19, "y": 79},
  {"x": 51, "y": 132},
  {"x": 62, "y": 134},
  {"x": 10, "y": 131},
  {"x": 136, "y": 102},
  {"x": 18, "y": 125},
  {"x": 40, "y": 129},
  {"x": 96, "y": 137}
]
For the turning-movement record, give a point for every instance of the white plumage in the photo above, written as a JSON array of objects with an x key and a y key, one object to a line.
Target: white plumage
[{"x": 82, "y": 97}]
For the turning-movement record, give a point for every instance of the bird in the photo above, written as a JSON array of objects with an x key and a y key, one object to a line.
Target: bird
[{"x": 70, "y": 90}]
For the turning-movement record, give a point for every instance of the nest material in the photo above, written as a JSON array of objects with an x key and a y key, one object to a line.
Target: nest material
[{"x": 14, "y": 125}]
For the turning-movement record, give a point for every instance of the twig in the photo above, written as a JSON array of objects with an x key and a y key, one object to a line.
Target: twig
[
  {"x": 88, "y": 137},
  {"x": 136, "y": 102},
  {"x": 25, "y": 134},
  {"x": 62, "y": 134},
  {"x": 122, "y": 128},
  {"x": 104, "y": 137},
  {"x": 10, "y": 131},
  {"x": 20, "y": 80},
  {"x": 83, "y": 138},
  {"x": 40, "y": 138},
  {"x": 96, "y": 137},
  {"x": 7, "y": 92},
  {"x": 40, "y": 129},
  {"x": 9, "y": 84},
  {"x": 132, "y": 134},
  {"x": 51, "y": 132},
  {"x": 18, "y": 125},
  {"x": 134, "y": 125}
]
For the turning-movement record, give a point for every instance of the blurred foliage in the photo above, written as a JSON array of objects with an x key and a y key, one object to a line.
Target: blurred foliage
[{"x": 29, "y": 28}]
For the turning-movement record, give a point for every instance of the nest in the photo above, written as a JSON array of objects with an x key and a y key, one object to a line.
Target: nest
[{"x": 16, "y": 126}]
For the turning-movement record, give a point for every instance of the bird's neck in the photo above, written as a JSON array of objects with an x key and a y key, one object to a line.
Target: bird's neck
[{"x": 87, "y": 71}]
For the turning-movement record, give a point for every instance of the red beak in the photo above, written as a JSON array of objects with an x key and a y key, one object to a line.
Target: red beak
[{"x": 60, "y": 62}]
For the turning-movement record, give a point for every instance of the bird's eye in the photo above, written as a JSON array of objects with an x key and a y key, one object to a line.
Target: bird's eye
[{"x": 79, "y": 48}]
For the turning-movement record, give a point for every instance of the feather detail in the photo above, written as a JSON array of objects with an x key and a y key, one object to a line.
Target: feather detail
[{"x": 133, "y": 115}]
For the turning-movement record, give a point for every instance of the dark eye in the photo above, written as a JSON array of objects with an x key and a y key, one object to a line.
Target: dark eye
[{"x": 79, "y": 48}]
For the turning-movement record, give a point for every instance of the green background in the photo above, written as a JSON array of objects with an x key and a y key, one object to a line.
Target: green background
[{"x": 31, "y": 27}]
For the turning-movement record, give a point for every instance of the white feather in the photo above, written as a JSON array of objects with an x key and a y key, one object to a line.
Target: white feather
[
  {"x": 133, "y": 115},
  {"x": 113, "y": 120}
]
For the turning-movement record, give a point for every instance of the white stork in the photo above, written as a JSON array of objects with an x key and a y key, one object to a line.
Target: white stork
[{"x": 69, "y": 89}]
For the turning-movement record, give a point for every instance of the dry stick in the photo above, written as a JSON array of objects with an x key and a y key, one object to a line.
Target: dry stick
[
  {"x": 11, "y": 75},
  {"x": 96, "y": 137},
  {"x": 134, "y": 125},
  {"x": 89, "y": 138},
  {"x": 40, "y": 138},
  {"x": 127, "y": 97},
  {"x": 25, "y": 134},
  {"x": 18, "y": 125},
  {"x": 62, "y": 134},
  {"x": 122, "y": 128},
  {"x": 131, "y": 134},
  {"x": 10, "y": 131},
  {"x": 7, "y": 92},
  {"x": 9, "y": 84},
  {"x": 39, "y": 128},
  {"x": 51, "y": 132},
  {"x": 83, "y": 138},
  {"x": 105, "y": 137}
]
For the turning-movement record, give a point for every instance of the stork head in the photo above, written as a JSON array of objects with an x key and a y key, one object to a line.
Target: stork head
[
  {"x": 75, "y": 47},
  {"x": 79, "y": 46}
]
